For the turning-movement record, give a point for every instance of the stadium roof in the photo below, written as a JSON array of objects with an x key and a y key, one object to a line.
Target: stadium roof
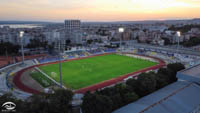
[
  {"x": 191, "y": 74},
  {"x": 179, "y": 97}
]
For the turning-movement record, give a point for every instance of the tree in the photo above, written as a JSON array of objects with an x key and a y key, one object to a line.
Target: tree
[
  {"x": 44, "y": 44},
  {"x": 89, "y": 42},
  {"x": 7, "y": 47},
  {"x": 122, "y": 89},
  {"x": 133, "y": 83},
  {"x": 192, "y": 42},
  {"x": 36, "y": 43},
  {"x": 184, "y": 28},
  {"x": 112, "y": 39},
  {"x": 68, "y": 42},
  {"x": 174, "y": 69},
  {"x": 146, "y": 84},
  {"x": 138, "y": 39},
  {"x": 117, "y": 101},
  {"x": 51, "y": 48},
  {"x": 37, "y": 103},
  {"x": 167, "y": 41},
  {"x": 130, "y": 97},
  {"x": 167, "y": 74},
  {"x": 95, "y": 103},
  {"x": 120, "y": 94},
  {"x": 109, "y": 91},
  {"x": 161, "y": 80},
  {"x": 60, "y": 101},
  {"x": 20, "y": 105}
]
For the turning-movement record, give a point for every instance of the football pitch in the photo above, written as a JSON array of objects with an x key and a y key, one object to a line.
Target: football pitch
[{"x": 77, "y": 74}]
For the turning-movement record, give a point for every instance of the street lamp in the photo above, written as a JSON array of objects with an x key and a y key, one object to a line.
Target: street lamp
[
  {"x": 121, "y": 30},
  {"x": 179, "y": 35},
  {"x": 22, "y": 47}
]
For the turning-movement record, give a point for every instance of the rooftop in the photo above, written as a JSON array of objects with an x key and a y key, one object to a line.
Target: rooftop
[
  {"x": 191, "y": 74},
  {"x": 193, "y": 71},
  {"x": 170, "y": 99}
]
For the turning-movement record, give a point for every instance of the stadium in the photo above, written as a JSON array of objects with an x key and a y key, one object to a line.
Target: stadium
[{"x": 84, "y": 71}]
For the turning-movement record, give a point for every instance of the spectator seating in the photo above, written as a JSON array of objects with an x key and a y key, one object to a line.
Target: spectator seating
[
  {"x": 95, "y": 51},
  {"x": 74, "y": 54},
  {"x": 110, "y": 50},
  {"x": 49, "y": 59}
]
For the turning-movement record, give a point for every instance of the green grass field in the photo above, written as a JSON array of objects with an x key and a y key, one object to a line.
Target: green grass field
[
  {"x": 81, "y": 73},
  {"x": 44, "y": 81}
]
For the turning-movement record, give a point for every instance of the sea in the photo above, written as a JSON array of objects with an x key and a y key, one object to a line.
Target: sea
[{"x": 21, "y": 25}]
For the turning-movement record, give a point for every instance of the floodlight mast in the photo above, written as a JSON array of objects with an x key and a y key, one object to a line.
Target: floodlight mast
[
  {"x": 179, "y": 35},
  {"x": 22, "y": 47},
  {"x": 121, "y": 30},
  {"x": 59, "y": 55}
]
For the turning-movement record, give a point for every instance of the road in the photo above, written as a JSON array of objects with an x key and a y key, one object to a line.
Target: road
[{"x": 172, "y": 49}]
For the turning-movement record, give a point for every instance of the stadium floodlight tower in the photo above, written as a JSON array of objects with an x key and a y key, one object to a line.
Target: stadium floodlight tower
[
  {"x": 59, "y": 55},
  {"x": 179, "y": 35},
  {"x": 57, "y": 34},
  {"x": 121, "y": 30},
  {"x": 21, "y": 34}
]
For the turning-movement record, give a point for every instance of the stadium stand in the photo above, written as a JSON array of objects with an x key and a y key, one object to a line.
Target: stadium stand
[
  {"x": 7, "y": 77},
  {"x": 75, "y": 54},
  {"x": 95, "y": 51},
  {"x": 110, "y": 50},
  {"x": 5, "y": 83},
  {"x": 49, "y": 59}
]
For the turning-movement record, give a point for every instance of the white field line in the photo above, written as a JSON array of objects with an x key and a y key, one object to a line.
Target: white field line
[
  {"x": 49, "y": 77},
  {"x": 37, "y": 62}
]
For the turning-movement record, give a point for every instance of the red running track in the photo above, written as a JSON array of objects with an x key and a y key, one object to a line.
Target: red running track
[{"x": 23, "y": 87}]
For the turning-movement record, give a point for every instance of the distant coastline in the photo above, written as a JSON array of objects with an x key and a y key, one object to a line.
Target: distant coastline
[
  {"x": 22, "y": 25},
  {"x": 24, "y": 22}
]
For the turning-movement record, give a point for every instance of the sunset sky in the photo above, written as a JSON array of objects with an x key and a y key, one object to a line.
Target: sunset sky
[{"x": 98, "y": 10}]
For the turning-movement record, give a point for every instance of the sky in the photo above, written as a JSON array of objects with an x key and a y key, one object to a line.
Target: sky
[{"x": 98, "y": 10}]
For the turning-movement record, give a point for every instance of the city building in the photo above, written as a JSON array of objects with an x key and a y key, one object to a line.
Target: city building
[
  {"x": 71, "y": 25},
  {"x": 73, "y": 31}
]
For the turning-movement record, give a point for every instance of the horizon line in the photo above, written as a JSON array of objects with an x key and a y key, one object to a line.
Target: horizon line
[{"x": 98, "y": 20}]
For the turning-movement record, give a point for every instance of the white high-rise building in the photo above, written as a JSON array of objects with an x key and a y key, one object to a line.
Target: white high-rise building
[
  {"x": 71, "y": 25},
  {"x": 73, "y": 31}
]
